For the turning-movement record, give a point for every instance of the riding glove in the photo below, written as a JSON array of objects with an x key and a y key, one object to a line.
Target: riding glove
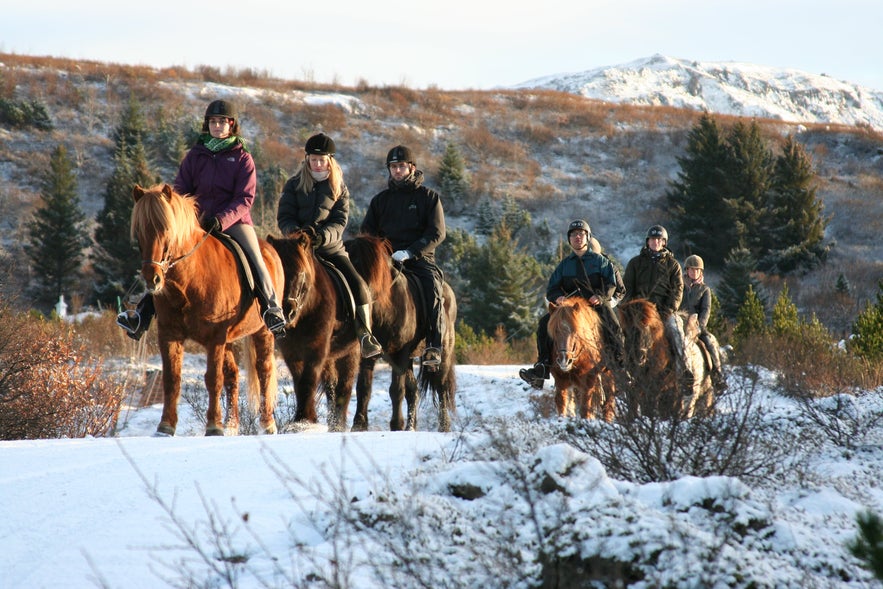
[
  {"x": 211, "y": 224},
  {"x": 401, "y": 256}
]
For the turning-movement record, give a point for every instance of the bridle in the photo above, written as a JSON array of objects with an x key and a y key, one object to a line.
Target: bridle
[{"x": 166, "y": 264}]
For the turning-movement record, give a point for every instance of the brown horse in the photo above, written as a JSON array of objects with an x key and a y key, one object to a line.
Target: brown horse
[
  {"x": 198, "y": 295},
  {"x": 400, "y": 326},
  {"x": 584, "y": 385},
  {"x": 655, "y": 368},
  {"x": 320, "y": 345}
]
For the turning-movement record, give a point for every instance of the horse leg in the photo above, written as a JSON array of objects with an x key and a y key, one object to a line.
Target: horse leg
[
  {"x": 608, "y": 394},
  {"x": 265, "y": 391},
  {"x": 562, "y": 396},
  {"x": 172, "y": 353},
  {"x": 412, "y": 398},
  {"x": 231, "y": 386},
  {"x": 396, "y": 395},
  {"x": 364, "y": 386},
  {"x": 214, "y": 368},
  {"x": 343, "y": 392}
]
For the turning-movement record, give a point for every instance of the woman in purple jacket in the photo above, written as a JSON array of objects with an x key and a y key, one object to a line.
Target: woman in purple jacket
[{"x": 219, "y": 171}]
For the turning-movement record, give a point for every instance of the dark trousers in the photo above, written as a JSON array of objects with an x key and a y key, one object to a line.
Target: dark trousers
[
  {"x": 358, "y": 287},
  {"x": 431, "y": 281}
]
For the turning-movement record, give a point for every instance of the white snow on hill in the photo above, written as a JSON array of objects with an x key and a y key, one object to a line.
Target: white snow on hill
[{"x": 730, "y": 88}]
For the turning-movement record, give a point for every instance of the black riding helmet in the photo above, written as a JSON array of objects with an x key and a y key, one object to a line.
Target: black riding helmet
[
  {"x": 657, "y": 231},
  {"x": 320, "y": 144}
]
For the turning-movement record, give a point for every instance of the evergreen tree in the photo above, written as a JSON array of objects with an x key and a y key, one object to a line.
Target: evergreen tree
[
  {"x": 843, "y": 287},
  {"x": 751, "y": 319},
  {"x": 794, "y": 226},
  {"x": 737, "y": 277},
  {"x": 505, "y": 287},
  {"x": 453, "y": 180},
  {"x": 487, "y": 217},
  {"x": 868, "y": 544},
  {"x": 116, "y": 258},
  {"x": 749, "y": 169},
  {"x": 783, "y": 318},
  {"x": 57, "y": 236},
  {"x": 867, "y": 331},
  {"x": 696, "y": 199}
]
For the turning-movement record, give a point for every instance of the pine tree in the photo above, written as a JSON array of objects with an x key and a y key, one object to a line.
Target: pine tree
[
  {"x": 868, "y": 544},
  {"x": 751, "y": 319},
  {"x": 737, "y": 278},
  {"x": 867, "y": 331},
  {"x": 505, "y": 287},
  {"x": 57, "y": 236},
  {"x": 843, "y": 287},
  {"x": 696, "y": 199},
  {"x": 784, "y": 319},
  {"x": 115, "y": 257},
  {"x": 749, "y": 170},
  {"x": 794, "y": 226},
  {"x": 453, "y": 180}
]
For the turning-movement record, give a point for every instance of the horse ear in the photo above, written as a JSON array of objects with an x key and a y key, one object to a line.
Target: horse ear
[
  {"x": 137, "y": 192},
  {"x": 167, "y": 191}
]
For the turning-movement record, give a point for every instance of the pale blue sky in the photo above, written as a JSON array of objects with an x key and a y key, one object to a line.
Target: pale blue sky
[{"x": 455, "y": 44}]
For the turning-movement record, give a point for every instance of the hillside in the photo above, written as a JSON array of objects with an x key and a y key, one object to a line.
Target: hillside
[
  {"x": 557, "y": 154},
  {"x": 738, "y": 89}
]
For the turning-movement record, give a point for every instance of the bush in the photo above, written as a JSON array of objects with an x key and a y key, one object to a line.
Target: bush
[{"x": 50, "y": 387}]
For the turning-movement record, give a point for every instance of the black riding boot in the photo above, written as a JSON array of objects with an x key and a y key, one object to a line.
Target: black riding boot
[{"x": 136, "y": 321}]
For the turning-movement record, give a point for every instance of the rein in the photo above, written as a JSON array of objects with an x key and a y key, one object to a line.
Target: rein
[{"x": 166, "y": 265}]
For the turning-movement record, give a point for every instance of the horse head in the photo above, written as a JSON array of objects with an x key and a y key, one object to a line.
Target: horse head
[
  {"x": 163, "y": 224},
  {"x": 296, "y": 254},
  {"x": 566, "y": 331},
  {"x": 638, "y": 319}
]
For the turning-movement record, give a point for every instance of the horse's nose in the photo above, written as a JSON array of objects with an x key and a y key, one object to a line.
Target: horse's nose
[{"x": 157, "y": 281}]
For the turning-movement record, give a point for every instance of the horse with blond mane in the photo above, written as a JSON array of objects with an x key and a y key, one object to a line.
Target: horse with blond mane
[
  {"x": 199, "y": 295},
  {"x": 584, "y": 383}
]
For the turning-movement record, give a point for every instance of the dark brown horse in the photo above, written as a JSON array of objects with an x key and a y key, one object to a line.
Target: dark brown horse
[
  {"x": 198, "y": 295},
  {"x": 320, "y": 345},
  {"x": 660, "y": 379},
  {"x": 400, "y": 326},
  {"x": 584, "y": 385}
]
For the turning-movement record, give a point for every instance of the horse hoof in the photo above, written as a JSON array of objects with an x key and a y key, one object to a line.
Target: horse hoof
[
  {"x": 214, "y": 431},
  {"x": 164, "y": 430},
  {"x": 269, "y": 429}
]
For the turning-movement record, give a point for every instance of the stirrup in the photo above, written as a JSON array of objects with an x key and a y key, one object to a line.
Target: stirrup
[
  {"x": 130, "y": 321},
  {"x": 370, "y": 346},
  {"x": 275, "y": 321},
  {"x": 431, "y": 356}
]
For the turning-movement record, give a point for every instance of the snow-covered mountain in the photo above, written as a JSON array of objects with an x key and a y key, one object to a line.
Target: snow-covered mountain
[{"x": 730, "y": 88}]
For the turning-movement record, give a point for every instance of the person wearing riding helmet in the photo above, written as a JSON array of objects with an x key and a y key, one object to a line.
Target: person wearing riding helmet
[
  {"x": 654, "y": 274},
  {"x": 317, "y": 201},
  {"x": 697, "y": 299},
  {"x": 588, "y": 274},
  {"x": 220, "y": 173},
  {"x": 410, "y": 216}
]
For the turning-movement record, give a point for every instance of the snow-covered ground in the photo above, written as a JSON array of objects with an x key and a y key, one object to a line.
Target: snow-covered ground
[{"x": 117, "y": 512}]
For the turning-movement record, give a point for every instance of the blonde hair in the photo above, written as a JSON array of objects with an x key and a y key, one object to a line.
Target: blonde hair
[{"x": 335, "y": 177}]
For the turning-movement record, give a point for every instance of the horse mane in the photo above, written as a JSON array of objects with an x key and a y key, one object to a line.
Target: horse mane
[
  {"x": 641, "y": 312},
  {"x": 370, "y": 255},
  {"x": 159, "y": 210},
  {"x": 577, "y": 316}
]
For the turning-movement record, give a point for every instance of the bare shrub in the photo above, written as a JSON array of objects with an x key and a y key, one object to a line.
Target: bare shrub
[
  {"x": 50, "y": 387},
  {"x": 735, "y": 440},
  {"x": 840, "y": 417}
]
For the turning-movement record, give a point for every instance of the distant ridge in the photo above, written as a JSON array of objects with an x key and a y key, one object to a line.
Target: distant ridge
[{"x": 740, "y": 89}]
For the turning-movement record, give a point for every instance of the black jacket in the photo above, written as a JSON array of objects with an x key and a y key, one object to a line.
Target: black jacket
[
  {"x": 298, "y": 210},
  {"x": 409, "y": 216}
]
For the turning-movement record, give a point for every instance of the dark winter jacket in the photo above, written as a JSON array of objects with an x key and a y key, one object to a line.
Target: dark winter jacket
[
  {"x": 586, "y": 275},
  {"x": 409, "y": 216},
  {"x": 697, "y": 299},
  {"x": 655, "y": 276},
  {"x": 223, "y": 183},
  {"x": 317, "y": 209}
]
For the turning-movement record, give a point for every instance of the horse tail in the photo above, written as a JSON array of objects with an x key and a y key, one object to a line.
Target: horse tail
[
  {"x": 254, "y": 383},
  {"x": 442, "y": 384}
]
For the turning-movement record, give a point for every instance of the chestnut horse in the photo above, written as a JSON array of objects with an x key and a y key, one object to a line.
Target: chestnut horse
[
  {"x": 655, "y": 368},
  {"x": 584, "y": 385},
  {"x": 400, "y": 327},
  {"x": 198, "y": 295},
  {"x": 320, "y": 345}
]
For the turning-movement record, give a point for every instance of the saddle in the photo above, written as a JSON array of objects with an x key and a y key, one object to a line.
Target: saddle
[
  {"x": 346, "y": 305},
  {"x": 415, "y": 287},
  {"x": 246, "y": 274}
]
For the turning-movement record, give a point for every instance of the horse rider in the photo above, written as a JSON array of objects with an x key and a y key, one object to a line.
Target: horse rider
[
  {"x": 654, "y": 274},
  {"x": 316, "y": 200},
  {"x": 587, "y": 274},
  {"x": 697, "y": 299},
  {"x": 410, "y": 216},
  {"x": 220, "y": 173}
]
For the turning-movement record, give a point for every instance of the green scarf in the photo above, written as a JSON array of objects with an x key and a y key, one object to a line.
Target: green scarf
[{"x": 215, "y": 145}]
